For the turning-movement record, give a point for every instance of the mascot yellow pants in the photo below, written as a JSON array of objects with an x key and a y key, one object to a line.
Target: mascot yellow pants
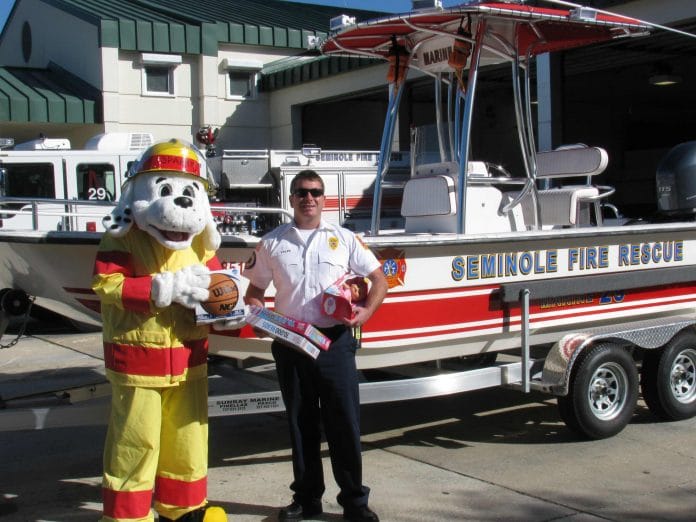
[{"x": 157, "y": 440}]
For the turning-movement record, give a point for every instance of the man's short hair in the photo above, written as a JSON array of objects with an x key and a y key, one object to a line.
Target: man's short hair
[{"x": 308, "y": 175}]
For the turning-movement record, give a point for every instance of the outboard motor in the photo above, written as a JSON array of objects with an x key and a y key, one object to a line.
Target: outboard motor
[{"x": 676, "y": 181}]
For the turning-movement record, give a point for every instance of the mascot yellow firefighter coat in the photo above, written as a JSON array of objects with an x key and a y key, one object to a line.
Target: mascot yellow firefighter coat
[{"x": 151, "y": 269}]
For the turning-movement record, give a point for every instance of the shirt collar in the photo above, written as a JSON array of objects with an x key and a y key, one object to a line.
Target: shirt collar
[{"x": 323, "y": 225}]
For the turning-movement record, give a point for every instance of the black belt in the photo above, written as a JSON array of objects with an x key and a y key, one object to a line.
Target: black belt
[{"x": 333, "y": 332}]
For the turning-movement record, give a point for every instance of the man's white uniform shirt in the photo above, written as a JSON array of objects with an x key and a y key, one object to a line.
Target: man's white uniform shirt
[{"x": 301, "y": 270}]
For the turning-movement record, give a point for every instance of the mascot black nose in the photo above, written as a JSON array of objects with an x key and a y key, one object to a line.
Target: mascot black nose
[{"x": 183, "y": 201}]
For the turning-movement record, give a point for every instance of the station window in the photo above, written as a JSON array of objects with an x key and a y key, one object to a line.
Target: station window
[
  {"x": 159, "y": 80},
  {"x": 96, "y": 181},
  {"x": 241, "y": 79},
  {"x": 158, "y": 74}
]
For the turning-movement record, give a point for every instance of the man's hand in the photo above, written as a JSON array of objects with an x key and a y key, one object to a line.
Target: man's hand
[
  {"x": 254, "y": 296},
  {"x": 188, "y": 286},
  {"x": 378, "y": 289}
]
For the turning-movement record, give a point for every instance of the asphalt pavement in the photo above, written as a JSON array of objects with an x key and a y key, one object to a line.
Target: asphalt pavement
[{"x": 488, "y": 455}]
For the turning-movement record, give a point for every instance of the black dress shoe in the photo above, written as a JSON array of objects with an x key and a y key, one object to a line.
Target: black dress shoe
[
  {"x": 297, "y": 511},
  {"x": 361, "y": 514}
]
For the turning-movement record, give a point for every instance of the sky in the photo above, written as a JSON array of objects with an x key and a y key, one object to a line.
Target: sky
[
  {"x": 394, "y": 6},
  {"x": 5, "y": 8}
]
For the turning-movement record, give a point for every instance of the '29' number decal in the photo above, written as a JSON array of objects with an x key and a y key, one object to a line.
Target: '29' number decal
[
  {"x": 612, "y": 297},
  {"x": 97, "y": 193}
]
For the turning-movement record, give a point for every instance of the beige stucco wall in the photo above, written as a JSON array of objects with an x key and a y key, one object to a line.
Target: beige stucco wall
[
  {"x": 199, "y": 98},
  {"x": 243, "y": 124}
]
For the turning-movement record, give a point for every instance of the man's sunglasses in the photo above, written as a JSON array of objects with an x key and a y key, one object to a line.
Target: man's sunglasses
[{"x": 302, "y": 192}]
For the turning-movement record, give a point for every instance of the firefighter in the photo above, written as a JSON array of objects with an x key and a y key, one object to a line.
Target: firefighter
[{"x": 151, "y": 269}]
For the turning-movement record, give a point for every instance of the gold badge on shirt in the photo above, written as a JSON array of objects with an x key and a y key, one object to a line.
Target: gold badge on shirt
[{"x": 333, "y": 243}]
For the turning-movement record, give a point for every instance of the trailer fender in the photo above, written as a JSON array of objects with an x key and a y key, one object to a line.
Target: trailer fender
[{"x": 650, "y": 335}]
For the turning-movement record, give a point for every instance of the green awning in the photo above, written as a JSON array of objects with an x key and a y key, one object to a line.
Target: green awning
[
  {"x": 294, "y": 70},
  {"x": 50, "y": 95},
  {"x": 183, "y": 26}
]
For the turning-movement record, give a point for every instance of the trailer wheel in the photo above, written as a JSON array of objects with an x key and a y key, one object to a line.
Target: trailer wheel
[
  {"x": 603, "y": 392},
  {"x": 668, "y": 378}
]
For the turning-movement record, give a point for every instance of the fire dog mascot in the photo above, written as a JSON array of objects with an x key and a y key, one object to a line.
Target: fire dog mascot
[{"x": 151, "y": 269}]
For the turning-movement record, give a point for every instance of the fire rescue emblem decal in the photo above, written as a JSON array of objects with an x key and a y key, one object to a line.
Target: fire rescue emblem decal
[{"x": 393, "y": 265}]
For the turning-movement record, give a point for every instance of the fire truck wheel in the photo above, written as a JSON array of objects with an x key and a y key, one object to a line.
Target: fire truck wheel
[
  {"x": 603, "y": 392},
  {"x": 668, "y": 378}
]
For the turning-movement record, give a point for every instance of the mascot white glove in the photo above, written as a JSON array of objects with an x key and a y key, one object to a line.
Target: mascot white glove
[
  {"x": 188, "y": 286},
  {"x": 231, "y": 324}
]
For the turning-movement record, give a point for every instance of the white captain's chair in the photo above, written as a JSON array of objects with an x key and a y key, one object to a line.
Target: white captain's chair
[
  {"x": 569, "y": 205},
  {"x": 429, "y": 203}
]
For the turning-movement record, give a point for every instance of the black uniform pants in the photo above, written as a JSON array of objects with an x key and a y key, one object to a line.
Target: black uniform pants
[{"x": 323, "y": 390}]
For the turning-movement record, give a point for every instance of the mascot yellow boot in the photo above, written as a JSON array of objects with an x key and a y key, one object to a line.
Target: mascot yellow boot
[
  {"x": 211, "y": 514},
  {"x": 152, "y": 268}
]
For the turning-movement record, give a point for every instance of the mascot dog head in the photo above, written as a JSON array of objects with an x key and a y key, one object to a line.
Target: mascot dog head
[{"x": 165, "y": 194}]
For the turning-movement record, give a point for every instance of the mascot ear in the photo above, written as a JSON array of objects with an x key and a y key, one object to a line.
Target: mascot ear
[
  {"x": 119, "y": 222},
  {"x": 211, "y": 238}
]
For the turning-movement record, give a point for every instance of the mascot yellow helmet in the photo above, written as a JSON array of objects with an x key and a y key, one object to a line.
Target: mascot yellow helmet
[{"x": 171, "y": 156}]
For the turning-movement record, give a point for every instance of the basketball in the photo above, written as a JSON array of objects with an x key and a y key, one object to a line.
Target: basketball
[{"x": 223, "y": 295}]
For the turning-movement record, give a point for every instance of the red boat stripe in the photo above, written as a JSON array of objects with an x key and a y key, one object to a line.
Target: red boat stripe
[
  {"x": 504, "y": 322},
  {"x": 450, "y": 311}
]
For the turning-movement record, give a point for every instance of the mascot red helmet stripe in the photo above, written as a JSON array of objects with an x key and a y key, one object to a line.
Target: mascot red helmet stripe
[
  {"x": 171, "y": 156},
  {"x": 174, "y": 163}
]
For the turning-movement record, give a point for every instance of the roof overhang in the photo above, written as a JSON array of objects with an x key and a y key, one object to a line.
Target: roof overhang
[{"x": 52, "y": 95}]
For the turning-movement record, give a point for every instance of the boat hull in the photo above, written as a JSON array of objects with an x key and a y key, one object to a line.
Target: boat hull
[
  {"x": 446, "y": 292},
  {"x": 445, "y": 296}
]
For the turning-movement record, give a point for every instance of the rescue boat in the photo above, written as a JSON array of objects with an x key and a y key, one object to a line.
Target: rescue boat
[{"x": 479, "y": 259}]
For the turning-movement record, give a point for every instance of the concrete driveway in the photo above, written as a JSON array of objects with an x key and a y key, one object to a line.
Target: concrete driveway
[{"x": 486, "y": 455}]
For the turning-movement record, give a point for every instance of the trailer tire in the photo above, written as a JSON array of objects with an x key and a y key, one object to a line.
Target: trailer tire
[
  {"x": 603, "y": 392},
  {"x": 668, "y": 378}
]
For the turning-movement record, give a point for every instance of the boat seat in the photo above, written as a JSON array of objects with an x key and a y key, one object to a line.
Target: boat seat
[
  {"x": 568, "y": 205},
  {"x": 571, "y": 161},
  {"x": 477, "y": 169},
  {"x": 429, "y": 204},
  {"x": 563, "y": 206}
]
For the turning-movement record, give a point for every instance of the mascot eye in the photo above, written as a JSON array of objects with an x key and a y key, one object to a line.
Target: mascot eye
[
  {"x": 188, "y": 191},
  {"x": 165, "y": 190}
]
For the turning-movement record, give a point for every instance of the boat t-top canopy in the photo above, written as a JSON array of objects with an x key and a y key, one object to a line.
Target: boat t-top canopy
[
  {"x": 530, "y": 30},
  {"x": 443, "y": 43}
]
